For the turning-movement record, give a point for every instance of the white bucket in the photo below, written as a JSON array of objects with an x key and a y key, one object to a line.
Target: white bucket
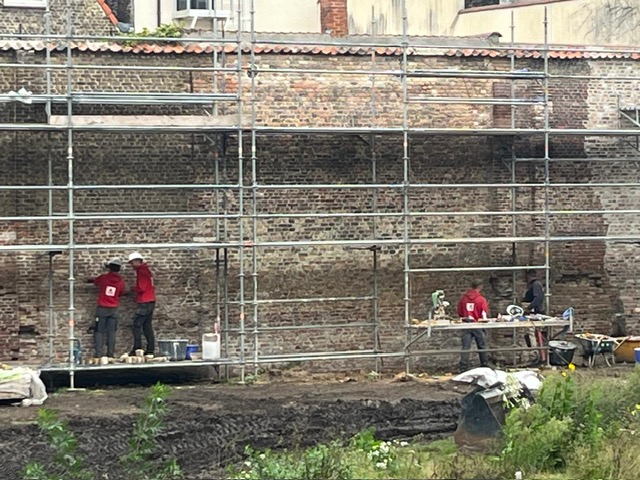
[{"x": 210, "y": 346}]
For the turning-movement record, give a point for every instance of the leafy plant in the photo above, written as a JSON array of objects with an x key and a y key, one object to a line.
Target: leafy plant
[
  {"x": 139, "y": 462},
  {"x": 69, "y": 463},
  {"x": 534, "y": 446},
  {"x": 382, "y": 454},
  {"x": 166, "y": 30},
  {"x": 322, "y": 462}
]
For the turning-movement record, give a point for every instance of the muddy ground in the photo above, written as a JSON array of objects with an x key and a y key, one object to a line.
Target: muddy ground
[{"x": 210, "y": 425}]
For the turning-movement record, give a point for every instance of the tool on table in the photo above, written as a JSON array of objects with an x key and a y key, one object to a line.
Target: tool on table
[{"x": 438, "y": 310}]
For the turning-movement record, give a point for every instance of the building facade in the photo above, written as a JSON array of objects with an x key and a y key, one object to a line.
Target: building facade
[
  {"x": 597, "y": 278},
  {"x": 303, "y": 194}
]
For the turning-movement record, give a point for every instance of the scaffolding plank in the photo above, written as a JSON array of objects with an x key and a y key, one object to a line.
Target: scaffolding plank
[{"x": 146, "y": 120}]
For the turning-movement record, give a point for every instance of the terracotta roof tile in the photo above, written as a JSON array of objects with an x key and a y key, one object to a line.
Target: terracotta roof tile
[{"x": 310, "y": 49}]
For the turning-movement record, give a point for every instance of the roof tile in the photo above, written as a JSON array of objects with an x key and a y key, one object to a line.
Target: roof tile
[{"x": 204, "y": 48}]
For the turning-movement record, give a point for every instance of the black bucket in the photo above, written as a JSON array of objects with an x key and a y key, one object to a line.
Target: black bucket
[{"x": 561, "y": 352}]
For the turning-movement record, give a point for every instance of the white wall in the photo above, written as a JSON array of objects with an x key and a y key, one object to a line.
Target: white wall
[
  {"x": 145, "y": 14},
  {"x": 285, "y": 16},
  {"x": 424, "y": 17}
]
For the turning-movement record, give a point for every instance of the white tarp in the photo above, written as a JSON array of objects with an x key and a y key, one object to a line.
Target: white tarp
[
  {"x": 22, "y": 384},
  {"x": 487, "y": 378}
]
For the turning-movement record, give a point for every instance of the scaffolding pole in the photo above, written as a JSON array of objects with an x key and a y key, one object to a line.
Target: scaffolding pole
[
  {"x": 241, "y": 190},
  {"x": 406, "y": 180},
  {"x": 73, "y": 359},
  {"x": 51, "y": 330},
  {"x": 374, "y": 207},
  {"x": 254, "y": 195},
  {"x": 547, "y": 172}
]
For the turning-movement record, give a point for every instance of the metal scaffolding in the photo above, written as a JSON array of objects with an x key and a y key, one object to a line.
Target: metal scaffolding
[{"x": 248, "y": 303}]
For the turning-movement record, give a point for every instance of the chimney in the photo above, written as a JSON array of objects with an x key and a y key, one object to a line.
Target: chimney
[{"x": 334, "y": 18}]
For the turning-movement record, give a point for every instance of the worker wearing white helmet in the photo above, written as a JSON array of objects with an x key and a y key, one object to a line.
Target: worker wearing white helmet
[{"x": 146, "y": 299}]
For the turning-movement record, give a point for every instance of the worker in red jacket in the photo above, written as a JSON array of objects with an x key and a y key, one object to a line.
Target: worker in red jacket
[
  {"x": 111, "y": 289},
  {"x": 471, "y": 308},
  {"x": 146, "y": 299}
]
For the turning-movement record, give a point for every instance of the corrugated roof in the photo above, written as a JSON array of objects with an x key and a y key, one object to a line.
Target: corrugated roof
[{"x": 532, "y": 51}]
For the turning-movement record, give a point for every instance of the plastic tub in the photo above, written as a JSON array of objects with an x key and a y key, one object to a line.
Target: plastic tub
[
  {"x": 637, "y": 352},
  {"x": 175, "y": 349},
  {"x": 625, "y": 352},
  {"x": 561, "y": 353},
  {"x": 210, "y": 346},
  {"x": 191, "y": 349}
]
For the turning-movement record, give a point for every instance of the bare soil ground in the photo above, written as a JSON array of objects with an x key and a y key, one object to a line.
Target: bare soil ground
[{"x": 210, "y": 425}]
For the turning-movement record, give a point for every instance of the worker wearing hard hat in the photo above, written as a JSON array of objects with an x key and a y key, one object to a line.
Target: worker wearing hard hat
[
  {"x": 111, "y": 289},
  {"x": 146, "y": 299},
  {"x": 472, "y": 308}
]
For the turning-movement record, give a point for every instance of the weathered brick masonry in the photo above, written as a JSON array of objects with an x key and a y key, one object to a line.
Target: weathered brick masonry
[
  {"x": 87, "y": 18},
  {"x": 593, "y": 278}
]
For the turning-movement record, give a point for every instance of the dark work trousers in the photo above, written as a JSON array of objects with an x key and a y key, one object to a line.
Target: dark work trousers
[
  {"x": 467, "y": 337},
  {"x": 106, "y": 325},
  {"x": 142, "y": 324}
]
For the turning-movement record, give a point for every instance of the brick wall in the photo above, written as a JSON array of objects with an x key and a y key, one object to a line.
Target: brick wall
[
  {"x": 334, "y": 17},
  {"x": 87, "y": 16},
  {"x": 593, "y": 278}
]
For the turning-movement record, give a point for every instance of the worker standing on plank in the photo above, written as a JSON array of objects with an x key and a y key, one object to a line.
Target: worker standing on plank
[
  {"x": 471, "y": 308},
  {"x": 146, "y": 299},
  {"x": 111, "y": 289},
  {"x": 535, "y": 294}
]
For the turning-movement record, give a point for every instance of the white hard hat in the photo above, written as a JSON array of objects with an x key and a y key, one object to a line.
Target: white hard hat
[
  {"x": 135, "y": 256},
  {"x": 515, "y": 310},
  {"x": 114, "y": 261}
]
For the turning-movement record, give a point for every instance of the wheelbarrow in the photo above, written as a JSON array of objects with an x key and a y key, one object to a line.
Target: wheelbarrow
[{"x": 594, "y": 345}]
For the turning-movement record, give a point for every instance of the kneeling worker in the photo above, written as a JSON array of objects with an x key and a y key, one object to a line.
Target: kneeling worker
[
  {"x": 111, "y": 289},
  {"x": 471, "y": 308}
]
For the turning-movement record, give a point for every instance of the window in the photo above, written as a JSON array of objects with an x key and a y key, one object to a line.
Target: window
[
  {"x": 480, "y": 3},
  {"x": 26, "y": 3},
  {"x": 194, "y": 5}
]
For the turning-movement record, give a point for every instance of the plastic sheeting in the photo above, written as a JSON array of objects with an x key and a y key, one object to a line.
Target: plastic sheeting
[
  {"x": 22, "y": 384},
  {"x": 488, "y": 378}
]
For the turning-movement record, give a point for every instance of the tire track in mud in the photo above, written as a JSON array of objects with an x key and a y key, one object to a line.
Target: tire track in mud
[{"x": 205, "y": 441}]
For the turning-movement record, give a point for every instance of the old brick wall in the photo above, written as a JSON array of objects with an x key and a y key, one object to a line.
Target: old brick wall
[
  {"x": 87, "y": 17},
  {"x": 621, "y": 259},
  {"x": 582, "y": 273}
]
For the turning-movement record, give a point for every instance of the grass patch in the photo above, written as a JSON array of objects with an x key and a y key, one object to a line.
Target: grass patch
[{"x": 579, "y": 429}]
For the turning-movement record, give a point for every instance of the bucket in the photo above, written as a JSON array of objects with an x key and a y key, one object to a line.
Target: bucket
[
  {"x": 561, "y": 353},
  {"x": 192, "y": 349},
  {"x": 637, "y": 353},
  {"x": 175, "y": 349},
  {"x": 210, "y": 346}
]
